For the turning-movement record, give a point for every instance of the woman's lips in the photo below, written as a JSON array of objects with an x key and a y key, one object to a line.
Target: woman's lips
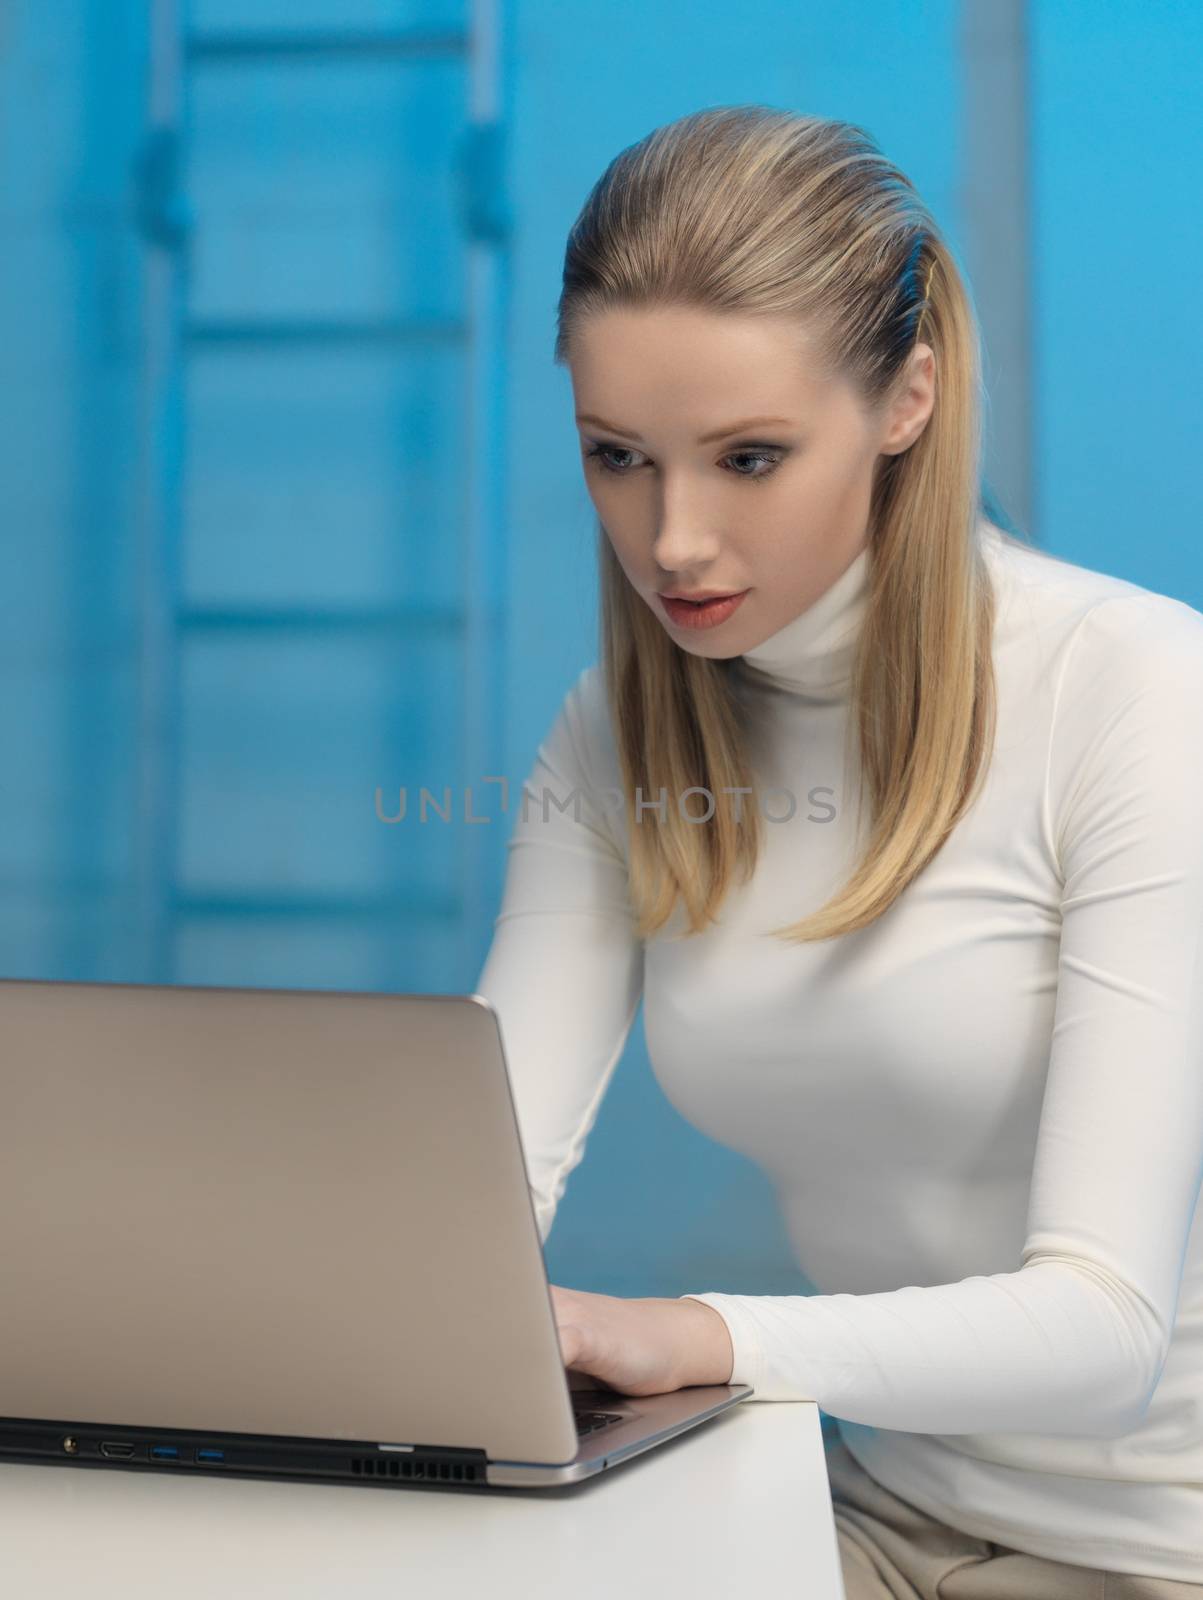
[{"x": 685, "y": 614}]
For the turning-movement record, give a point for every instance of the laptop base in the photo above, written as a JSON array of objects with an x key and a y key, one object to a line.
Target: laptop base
[{"x": 643, "y": 1423}]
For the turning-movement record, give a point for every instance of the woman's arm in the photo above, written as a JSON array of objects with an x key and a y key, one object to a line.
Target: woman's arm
[
  {"x": 1074, "y": 1340},
  {"x": 564, "y": 971}
]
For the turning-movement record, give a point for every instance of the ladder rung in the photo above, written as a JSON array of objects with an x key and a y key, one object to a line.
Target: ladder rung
[
  {"x": 314, "y": 906},
  {"x": 316, "y": 619},
  {"x": 296, "y": 45},
  {"x": 252, "y": 330}
]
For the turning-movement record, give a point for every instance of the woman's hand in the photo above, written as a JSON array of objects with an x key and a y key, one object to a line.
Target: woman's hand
[{"x": 640, "y": 1347}]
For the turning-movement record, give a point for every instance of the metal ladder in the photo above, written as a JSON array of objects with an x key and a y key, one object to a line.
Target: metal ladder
[{"x": 173, "y": 333}]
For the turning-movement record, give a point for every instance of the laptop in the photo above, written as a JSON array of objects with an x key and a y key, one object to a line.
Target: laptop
[{"x": 284, "y": 1233}]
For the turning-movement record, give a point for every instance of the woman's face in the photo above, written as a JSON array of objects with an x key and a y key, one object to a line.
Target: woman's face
[{"x": 720, "y": 460}]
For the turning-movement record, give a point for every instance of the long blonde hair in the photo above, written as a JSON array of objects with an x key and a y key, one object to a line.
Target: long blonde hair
[{"x": 756, "y": 210}]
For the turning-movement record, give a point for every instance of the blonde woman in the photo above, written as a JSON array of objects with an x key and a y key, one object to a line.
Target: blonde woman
[{"x": 899, "y": 836}]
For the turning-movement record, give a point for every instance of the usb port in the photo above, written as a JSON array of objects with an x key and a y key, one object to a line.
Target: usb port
[
  {"x": 164, "y": 1452},
  {"x": 117, "y": 1451},
  {"x": 210, "y": 1455}
]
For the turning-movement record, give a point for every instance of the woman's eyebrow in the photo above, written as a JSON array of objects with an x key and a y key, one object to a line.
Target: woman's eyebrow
[{"x": 706, "y": 438}]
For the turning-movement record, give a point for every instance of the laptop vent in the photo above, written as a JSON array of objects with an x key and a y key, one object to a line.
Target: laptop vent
[{"x": 408, "y": 1467}]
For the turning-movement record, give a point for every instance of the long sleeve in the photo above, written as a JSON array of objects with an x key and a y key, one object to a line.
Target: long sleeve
[
  {"x": 564, "y": 971},
  {"x": 1074, "y": 1341}
]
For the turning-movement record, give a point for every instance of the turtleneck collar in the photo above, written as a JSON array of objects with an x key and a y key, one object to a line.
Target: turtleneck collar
[{"x": 814, "y": 654}]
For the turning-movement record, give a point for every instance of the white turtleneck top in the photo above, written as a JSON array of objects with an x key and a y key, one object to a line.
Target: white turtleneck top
[{"x": 982, "y": 1115}]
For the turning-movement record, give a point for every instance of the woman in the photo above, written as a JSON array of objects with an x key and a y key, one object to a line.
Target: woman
[{"x": 901, "y": 845}]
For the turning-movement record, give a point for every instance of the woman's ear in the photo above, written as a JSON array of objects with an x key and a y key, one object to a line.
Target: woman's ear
[{"x": 913, "y": 401}]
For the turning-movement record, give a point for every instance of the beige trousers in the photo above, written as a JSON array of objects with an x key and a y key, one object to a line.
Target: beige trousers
[{"x": 890, "y": 1550}]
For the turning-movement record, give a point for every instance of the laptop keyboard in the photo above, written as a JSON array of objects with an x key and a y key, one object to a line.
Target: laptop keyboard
[{"x": 591, "y": 1421}]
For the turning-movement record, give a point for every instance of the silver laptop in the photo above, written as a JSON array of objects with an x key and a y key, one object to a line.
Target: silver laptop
[{"x": 284, "y": 1233}]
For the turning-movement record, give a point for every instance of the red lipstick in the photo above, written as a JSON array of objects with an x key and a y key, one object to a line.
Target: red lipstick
[{"x": 706, "y": 612}]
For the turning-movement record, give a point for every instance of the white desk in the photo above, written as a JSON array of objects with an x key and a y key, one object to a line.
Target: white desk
[{"x": 738, "y": 1507}]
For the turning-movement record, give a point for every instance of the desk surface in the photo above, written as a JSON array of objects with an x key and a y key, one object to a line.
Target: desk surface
[{"x": 738, "y": 1506}]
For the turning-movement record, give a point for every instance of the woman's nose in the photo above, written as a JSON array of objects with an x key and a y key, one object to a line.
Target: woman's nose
[{"x": 684, "y": 541}]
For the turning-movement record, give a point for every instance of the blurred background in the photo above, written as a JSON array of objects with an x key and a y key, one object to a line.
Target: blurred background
[{"x": 291, "y": 513}]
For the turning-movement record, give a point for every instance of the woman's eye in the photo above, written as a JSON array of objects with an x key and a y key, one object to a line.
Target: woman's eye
[
  {"x": 601, "y": 451},
  {"x": 771, "y": 459}
]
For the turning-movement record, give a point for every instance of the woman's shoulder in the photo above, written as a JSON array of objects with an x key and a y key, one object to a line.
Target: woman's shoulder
[
  {"x": 580, "y": 753},
  {"x": 585, "y": 713},
  {"x": 1115, "y": 667},
  {"x": 1094, "y": 614}
]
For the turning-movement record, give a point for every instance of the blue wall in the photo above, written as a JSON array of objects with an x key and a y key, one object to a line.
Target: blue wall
[
  {"x": 1117, "y": 172},
  {"x": 290, "y": 504}
]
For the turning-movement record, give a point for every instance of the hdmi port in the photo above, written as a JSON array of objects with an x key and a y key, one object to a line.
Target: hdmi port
[{"x": 112, "y": 1448}]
